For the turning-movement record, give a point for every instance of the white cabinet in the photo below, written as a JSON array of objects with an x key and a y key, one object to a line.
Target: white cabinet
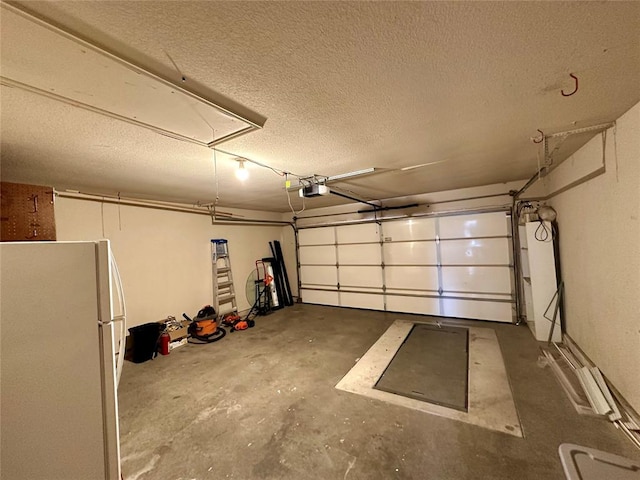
[{"x": 539, "y": 279}]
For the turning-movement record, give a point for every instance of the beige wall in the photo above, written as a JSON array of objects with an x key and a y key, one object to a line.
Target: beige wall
[
  {"x": 600, "y": 251},
  {"x": 163, "y": 256}
]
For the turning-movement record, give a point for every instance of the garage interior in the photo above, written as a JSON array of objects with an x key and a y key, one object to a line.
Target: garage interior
[{"x": 451, "y": 168}]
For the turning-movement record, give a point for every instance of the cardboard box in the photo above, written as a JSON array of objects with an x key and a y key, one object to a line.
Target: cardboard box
[
  {"x": 177, "y": 343},
  {"x": 182, "y": 332}
]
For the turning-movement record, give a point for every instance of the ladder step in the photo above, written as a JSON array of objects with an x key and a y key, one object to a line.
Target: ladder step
[
  {"x": 223, "y": 290},
  {"x": 227, "y": 299}
]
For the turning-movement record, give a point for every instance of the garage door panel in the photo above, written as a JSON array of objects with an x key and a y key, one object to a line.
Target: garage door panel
[
  {"x": 476, "y": 279},
  {"x": 317, "y": 236},
  {"x": 325, "y": 255},
  {"x": 410, "y": 253},
  {"x": 367, "y": 254},
  {"x": 411, "y": 229},
  {"x": 363, "y": 233},
  {"x": 362, "y": 300},
  {"x": 480, "y": 296},
  {"x": 416, "y": 278},
  {"x": 420, "y": 305},
  {"x": 360, "y": 276},
  {"x": 319, "y": 275},
  {"x": 478, "y": 225},
  {"x": 320, "y": 297},
  {"x": 481, "y": 310},
  {"x": 466, "y": 273},
  {"x": 362, "y": 289},
  {"x": 475, "y": 251}
]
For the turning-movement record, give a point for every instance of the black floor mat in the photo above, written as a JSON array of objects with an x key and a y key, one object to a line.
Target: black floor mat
[{"x": 431, "y": 365}]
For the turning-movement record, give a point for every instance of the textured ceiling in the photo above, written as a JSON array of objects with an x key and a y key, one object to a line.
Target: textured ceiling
[{"x": 344, "y": 86}]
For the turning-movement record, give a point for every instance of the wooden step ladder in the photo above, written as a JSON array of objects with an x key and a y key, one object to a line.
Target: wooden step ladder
[{"x": 223, "y": 289}]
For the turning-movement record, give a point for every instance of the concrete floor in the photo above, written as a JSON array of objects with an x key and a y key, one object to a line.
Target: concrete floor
[{"x": 261, "y": 404}]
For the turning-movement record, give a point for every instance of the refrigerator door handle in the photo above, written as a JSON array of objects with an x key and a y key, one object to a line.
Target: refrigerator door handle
[{"x": 121, "y": 319}]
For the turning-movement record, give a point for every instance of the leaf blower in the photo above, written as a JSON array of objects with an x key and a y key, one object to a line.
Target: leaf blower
[{"x": 235, "y": 322}]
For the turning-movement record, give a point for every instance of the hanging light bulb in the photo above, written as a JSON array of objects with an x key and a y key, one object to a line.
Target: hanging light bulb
[{"x": 242, "y": 173}]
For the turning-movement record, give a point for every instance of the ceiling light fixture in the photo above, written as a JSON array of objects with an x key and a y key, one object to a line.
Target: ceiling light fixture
[{"x": 241, "y": 173}]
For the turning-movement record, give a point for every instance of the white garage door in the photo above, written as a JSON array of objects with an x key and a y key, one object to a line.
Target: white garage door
[{"x": 453, "y": 266}]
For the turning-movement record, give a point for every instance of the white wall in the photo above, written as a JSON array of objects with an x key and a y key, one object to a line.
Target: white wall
[
  {"x": 600, "y": 251},
  {"x": 164, "y": 256}
]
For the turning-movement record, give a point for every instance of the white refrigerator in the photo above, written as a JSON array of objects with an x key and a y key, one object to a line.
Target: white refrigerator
[{"x": 62, "y": 325}]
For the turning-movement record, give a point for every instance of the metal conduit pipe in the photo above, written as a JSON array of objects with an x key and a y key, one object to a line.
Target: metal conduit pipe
[
  {"x": 114, "y": 200},
  {"x": 194, "y": 210}
]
